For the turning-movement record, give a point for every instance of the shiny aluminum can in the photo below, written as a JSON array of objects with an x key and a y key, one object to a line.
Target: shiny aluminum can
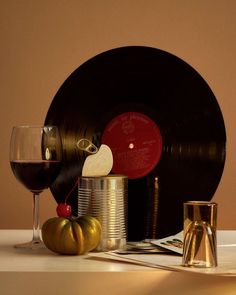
[{"x": 106, "y": 199}]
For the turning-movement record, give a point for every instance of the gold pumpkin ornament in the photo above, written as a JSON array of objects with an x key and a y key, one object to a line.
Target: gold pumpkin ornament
[{"x": 71, "y": 236}]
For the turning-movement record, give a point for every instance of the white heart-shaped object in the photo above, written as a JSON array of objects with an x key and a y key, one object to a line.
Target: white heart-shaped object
[{"x": 99, "y": 164}]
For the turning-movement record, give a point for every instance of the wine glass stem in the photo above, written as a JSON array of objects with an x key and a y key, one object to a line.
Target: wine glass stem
[{"x": 36, "y": 226}]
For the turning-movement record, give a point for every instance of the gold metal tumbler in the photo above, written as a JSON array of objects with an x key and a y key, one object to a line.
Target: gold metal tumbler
[{"x": 200, "y": 246}]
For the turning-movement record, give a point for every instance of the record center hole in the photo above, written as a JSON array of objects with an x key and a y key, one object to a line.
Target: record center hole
[{"x": 131, "y": 146}]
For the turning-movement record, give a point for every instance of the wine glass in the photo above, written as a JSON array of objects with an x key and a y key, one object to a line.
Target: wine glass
[{"x": 35, "y": 158}]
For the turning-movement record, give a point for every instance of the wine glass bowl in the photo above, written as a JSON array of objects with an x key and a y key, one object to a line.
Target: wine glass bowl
[{"x": 35, "y": 158}]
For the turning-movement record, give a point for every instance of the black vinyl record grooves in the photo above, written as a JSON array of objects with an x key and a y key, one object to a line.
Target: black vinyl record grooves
[{"x": 164, "y": 111}]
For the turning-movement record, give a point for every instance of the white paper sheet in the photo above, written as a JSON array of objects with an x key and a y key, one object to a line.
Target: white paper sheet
[
  {"x": 226, "y": 252},
  {"x": 173, "y": 243}
]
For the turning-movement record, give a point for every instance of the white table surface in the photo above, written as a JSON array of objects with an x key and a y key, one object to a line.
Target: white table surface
[{"x": 43, "y": 272}]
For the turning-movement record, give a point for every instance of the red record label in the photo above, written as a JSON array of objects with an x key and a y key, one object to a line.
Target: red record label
[{"x": 136, "y": 144}]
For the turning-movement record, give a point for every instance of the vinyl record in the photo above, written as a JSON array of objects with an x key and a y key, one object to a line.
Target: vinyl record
[{"x": 162, "y": 122}]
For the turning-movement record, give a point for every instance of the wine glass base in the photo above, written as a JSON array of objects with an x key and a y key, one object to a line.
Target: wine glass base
[{"x": 33, "y": 245}]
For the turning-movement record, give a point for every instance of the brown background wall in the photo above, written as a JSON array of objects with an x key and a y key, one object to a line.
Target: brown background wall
[{"x": 42, "y": 42}]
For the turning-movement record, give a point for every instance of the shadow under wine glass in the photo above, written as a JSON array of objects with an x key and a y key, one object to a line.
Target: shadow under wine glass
[{"x": 35, "y": 158}]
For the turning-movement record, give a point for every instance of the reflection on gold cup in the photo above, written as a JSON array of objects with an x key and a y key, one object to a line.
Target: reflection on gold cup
[{"x": 199, "y": 249}]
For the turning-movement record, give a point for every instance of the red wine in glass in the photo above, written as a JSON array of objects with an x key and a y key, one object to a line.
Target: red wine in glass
[
  {"x": 35, "y": 158},
  {"x": 36, "y": 175}
]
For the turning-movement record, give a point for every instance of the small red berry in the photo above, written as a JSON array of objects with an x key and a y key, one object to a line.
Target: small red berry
[{"x": 63, "y": 210}]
